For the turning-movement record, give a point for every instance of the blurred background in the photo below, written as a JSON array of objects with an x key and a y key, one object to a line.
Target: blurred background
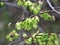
[{"x": 10, "y": 14}]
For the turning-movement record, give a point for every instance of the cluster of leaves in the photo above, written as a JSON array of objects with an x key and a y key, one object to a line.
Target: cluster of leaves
[
  {"x": 43, "y": 39},
  {"x": 47, "y": 17},
  {"x": 28, "y": 24},
  {"x": 12, "y": 36},
  {"x": 33, "y": 7}
]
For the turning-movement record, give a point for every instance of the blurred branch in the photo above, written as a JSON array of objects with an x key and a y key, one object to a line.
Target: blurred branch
[
  {"x": 15, "y": 42},
  {"x": 41, "y": 30},
  {"x": 53, "y": 9},
  {"x": 41, "y": 12}
]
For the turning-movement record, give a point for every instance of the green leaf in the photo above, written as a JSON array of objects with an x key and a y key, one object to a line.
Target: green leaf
[
  {"x": 29, "y": 3},
  {"x": 18, "y": 25},
  {"x": 25, "y": 4},
  {"x": 31, "y": 8},
  {"x": 24, "y": 35},
  {"x": 38, "y": 37},
  {"x": 19, "y": 3},
  {"x": 46, "y": 16},
  {"x": 2, "y": 3},
  {"x": 35, "y": 26},
  {"x": 10, "y": 39},
  {"x": 28, "y": 41}
]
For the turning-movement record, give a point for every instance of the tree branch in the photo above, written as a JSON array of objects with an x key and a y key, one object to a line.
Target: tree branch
[
  {"x": 15, "y": 42},
  {"x": 50, "y": 5}
]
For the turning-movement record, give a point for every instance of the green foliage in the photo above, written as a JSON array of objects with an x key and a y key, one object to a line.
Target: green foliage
[
  {"x": 31, "y": 23},
  {"x": 28, "y": 41},
  {"x": 44, "y": 39},
  {"x": 24, "y": 35},
  {"x": 33, "y": 7},
  {"x": 46, "y": 16},
  {"x": 19, "y": 2},
  {"x": 27, "y": 3},
  {"x": 12, "y": 36},
  {"x": 1, "y": 4},
  {"x": 28, "y": 24}
]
